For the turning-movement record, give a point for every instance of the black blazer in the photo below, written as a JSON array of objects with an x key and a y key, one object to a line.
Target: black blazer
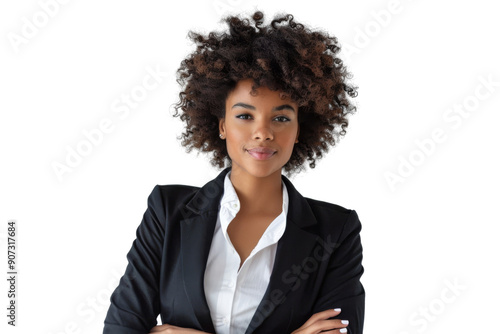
[{"x": 317, "y": 267}]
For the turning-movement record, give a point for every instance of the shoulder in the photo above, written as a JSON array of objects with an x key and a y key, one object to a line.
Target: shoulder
[
  {"x": 333, "y": 216},
  {"x": 167, "y": 203},
  {"x": 326, "y": 209},
  {"x": 169, "y": 190},
  {"x": 322, "y": 206},
  {"x": 173, "y": 194}
]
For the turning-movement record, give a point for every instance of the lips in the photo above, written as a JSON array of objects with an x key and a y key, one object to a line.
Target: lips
[{"x": 261, "y": 153}]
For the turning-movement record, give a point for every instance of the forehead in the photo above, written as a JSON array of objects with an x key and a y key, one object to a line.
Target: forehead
[{"x": 244, "y": 91}]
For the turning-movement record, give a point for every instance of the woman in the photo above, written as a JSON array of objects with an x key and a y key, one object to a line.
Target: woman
[{"x": 246, "y": 253}]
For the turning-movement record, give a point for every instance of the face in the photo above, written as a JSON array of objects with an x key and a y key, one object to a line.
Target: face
[{"x": 260, "y": 130}]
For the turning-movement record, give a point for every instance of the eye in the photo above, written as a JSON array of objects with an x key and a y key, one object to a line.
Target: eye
[
  {"x": 243, "y": 116},
  {"x": 282, "y": 119}
]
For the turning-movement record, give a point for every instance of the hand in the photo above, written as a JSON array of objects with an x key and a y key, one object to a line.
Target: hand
[
  {"x": 319, "y": 322},
  {"x": 170, "y": 329}
]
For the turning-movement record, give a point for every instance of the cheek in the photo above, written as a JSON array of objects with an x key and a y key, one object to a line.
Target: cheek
[
  {"x": 233, "y": 141},
  {"x": 291, "y": 136}
]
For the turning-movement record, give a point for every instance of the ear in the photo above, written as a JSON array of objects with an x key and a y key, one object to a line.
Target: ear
[
  {"x": 222, "y": 127},
  {"x": 298, "y": 131}
]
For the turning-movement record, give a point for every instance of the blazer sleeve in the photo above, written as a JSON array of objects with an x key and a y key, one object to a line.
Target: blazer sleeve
[
  {"x": 135, "y": 303},
  {"x": 341, "y": 286}
]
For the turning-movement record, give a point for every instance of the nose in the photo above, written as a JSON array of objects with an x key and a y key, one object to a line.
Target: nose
[{"x": 263, "y": 132}]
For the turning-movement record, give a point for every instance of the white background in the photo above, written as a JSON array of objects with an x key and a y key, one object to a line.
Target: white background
[{"x": 415, "y": 62}]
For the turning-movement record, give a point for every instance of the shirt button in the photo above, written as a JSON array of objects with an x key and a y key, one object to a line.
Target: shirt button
[
  {"x": 225, "y": 321},
  {"x": 230, "y": 284},
  {"x": 235, "y": 205}
]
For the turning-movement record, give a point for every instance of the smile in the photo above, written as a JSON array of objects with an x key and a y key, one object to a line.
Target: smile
[{"x": 261, "y": 153}]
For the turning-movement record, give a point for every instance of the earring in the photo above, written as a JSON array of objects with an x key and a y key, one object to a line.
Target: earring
[{"x": 220, "y": 136}]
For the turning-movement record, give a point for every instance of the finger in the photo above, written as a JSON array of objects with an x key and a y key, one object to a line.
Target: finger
[
  {"x": 335, "y": 331},
  {"x": 160, "y": 328},
  {"x": 334, "y": 326},
  {"x": 323, "y": 315}
]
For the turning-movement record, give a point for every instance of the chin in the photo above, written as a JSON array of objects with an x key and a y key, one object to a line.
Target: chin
[{"x": 262, "y": 171}]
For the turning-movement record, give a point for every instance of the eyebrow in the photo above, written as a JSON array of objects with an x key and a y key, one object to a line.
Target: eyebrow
[{"x": 278, "y": 108}]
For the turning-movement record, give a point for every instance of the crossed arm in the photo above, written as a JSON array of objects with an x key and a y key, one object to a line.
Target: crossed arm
[{"x": 318, "y": 323}]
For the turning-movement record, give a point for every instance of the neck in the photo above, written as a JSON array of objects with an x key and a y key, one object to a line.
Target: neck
[{"x": 258, "y": 194}]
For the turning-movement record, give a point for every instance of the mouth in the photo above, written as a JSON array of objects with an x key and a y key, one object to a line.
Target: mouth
[{"x": 261, "y": 153}]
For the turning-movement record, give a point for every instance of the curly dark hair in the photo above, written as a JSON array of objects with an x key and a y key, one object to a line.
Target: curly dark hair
[{"x": 283, "y": 56}]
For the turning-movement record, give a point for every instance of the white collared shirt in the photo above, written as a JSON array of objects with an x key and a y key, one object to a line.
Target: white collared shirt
[{"x": 232, "y": 295}]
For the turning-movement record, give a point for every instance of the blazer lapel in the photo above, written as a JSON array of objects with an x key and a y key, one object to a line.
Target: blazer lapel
[
  {"x": 197, "y": 230},
  {"x": 295, "y": 246}
]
